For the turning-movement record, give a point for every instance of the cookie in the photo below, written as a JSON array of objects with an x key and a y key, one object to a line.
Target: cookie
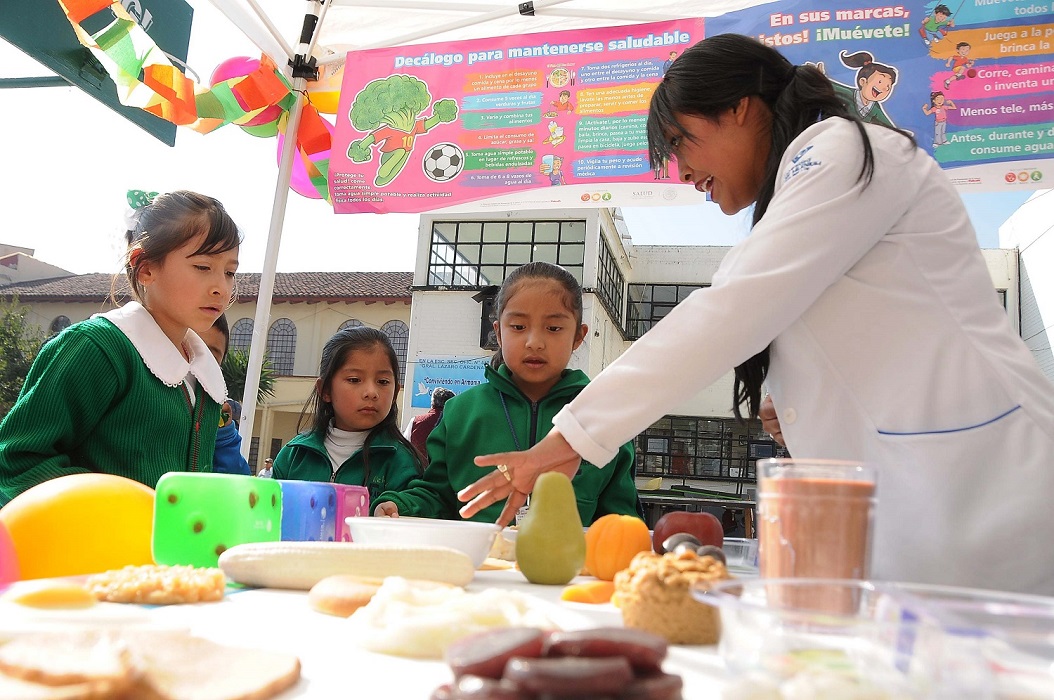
[{"x": 158, "y": 585}]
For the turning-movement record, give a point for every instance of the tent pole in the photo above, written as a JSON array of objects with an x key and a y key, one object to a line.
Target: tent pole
[
  {"x": 302, "y": 69},
  {"x": 262, "y": 320}
]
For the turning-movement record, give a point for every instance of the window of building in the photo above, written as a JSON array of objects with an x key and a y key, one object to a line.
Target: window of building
[
  {"x": 482, "y": 253},
  {"x": 399, "y": 335},
  {"x": 242, "y": 334},
  {"x": 693, "y": 447},
  {"x": 281, "y": 346},
  {"x": 610, "y": 284},
  {"x": 350, "y": 323},
  {"x": 649, "y": 303},
  {"x": 1000, "y": 292},
  {"x": 60, "y": 324}
]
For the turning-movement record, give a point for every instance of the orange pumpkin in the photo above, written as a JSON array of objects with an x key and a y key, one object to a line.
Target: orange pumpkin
[{"x": 612, "y": 541}]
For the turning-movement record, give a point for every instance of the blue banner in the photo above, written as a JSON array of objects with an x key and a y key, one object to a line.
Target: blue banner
[{"x": 454, "y": 373}]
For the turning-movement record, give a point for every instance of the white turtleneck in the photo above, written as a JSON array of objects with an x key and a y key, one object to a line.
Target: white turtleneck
[{"x": 342, "y": 444}]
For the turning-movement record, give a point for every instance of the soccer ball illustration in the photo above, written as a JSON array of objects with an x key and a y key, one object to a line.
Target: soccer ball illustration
[{"x": 443, "y": 162}]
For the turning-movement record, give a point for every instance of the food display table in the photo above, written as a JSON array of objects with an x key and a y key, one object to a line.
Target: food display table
[{"x": 334, "y": 665}]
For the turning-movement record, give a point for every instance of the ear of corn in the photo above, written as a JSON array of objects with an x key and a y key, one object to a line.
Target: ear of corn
[{"x": 300, "y": 565}]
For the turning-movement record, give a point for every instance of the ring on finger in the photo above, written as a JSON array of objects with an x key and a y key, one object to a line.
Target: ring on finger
[{"x": 505, "y": 472}]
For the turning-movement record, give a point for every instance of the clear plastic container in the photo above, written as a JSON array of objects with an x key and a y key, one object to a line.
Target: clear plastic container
[
  {"x": 887, "y": 640},
  {"x": 741, "y": 555}
]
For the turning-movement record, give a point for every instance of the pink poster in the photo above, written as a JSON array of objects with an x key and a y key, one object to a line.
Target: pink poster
[{"x": 539, "y": 120}]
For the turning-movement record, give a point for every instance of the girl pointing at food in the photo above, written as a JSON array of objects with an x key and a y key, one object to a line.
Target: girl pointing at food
[{"x": 860, "y": 300}]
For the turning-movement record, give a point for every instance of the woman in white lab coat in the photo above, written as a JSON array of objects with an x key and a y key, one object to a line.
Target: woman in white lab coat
[{"x": 861, "y": 300}]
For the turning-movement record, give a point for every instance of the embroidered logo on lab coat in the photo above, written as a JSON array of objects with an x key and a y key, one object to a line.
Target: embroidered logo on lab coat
[{"x": 800, "y": 163}]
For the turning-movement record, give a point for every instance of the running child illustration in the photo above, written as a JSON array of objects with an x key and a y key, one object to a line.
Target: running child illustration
[
  {"x": 936, "y": 26},
  {"x": 553, "y": 167},
  {"x": 938, "y": 108},
  {"x": 874, "y": 85},
  {"x": 390, "y": 108},
  {"x": 961, "y": 64}
]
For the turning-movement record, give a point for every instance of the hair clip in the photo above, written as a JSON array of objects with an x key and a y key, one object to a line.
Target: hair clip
[{"x": 137, "y": 199}]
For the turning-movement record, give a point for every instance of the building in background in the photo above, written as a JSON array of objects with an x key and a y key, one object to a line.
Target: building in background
[
  {"x": 1030, "y": 232},
  {"x": 306, "y": 309}
]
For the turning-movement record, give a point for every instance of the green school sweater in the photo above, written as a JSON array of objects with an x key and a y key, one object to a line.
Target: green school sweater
[
  {"x": 304, "y": 458},
  {"x": 90, "y": 404},
  {"x": 474, "y": 423}
]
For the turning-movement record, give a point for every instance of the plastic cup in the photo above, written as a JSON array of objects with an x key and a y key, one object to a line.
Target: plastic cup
[{"x": 815, "y": 520}]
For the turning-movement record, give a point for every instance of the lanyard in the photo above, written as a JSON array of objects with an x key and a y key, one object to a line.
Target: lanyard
[
  {"x": 516, "y": 442},
  {"x": 508, "y": 419}
]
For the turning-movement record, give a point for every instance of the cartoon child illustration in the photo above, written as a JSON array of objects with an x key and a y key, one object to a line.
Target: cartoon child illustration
[
  {"x": 556, "y": 135},
  {"x": 389, "y": 108},
  {"x": 668, "y": 62},
  {"x": 874, "y": 85},
  {"x": 563, "y": 103},
  {"x": 959, "y": 63},
  {"x": 936, "y": 26},
  {"x": 553, "y": 167},
  {"x": 938, "y": 107}
]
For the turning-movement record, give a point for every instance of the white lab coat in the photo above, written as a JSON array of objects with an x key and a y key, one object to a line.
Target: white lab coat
[{"x": 888, "y": 346}]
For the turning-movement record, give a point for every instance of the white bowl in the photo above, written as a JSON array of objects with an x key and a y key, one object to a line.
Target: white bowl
[{"x": 472, "y": 538}]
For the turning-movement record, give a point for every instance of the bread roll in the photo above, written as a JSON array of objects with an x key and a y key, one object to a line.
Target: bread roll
[{"x": 342, "y": 594}]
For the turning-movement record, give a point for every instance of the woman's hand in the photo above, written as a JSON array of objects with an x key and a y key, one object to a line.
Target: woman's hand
[
  {"x": 516, "y": 480},
  {"x": 770, "y": 422}
]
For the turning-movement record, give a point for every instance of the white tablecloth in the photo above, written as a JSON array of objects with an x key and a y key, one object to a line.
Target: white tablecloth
[{"x": 335, "y": 666}]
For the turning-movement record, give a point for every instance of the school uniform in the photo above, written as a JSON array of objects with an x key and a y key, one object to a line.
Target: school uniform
[
  {"x": 112, "y": 395},
  {"x": 497, "y": 417},
  {"x": 888, "y": 345},
  {"x": 391, "y": 463}
]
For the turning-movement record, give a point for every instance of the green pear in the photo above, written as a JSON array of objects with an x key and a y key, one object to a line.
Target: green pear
[{"x": 550, "y": 544}]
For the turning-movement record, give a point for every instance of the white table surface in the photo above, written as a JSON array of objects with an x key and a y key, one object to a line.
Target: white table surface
[{"x": 333, "y": 665}]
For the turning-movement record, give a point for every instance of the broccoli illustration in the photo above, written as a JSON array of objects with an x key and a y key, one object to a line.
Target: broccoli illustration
[{"x": 389, "y": 109}]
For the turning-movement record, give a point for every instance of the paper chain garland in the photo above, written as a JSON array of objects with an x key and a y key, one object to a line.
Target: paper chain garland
[{"x": 147, "y": 79}]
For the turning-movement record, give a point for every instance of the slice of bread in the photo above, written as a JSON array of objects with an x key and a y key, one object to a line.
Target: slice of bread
[
  {"x": 180, "y": 667},
  {"x": 140, "y": 665},
  {"x": 69, "y": 658}
]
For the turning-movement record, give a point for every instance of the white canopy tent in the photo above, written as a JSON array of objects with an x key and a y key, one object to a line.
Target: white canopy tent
[{"x": 333, "y": 28}]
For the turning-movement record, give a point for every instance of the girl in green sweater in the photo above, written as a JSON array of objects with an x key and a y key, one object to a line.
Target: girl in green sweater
[
  {"x": 539, "y": 308},
  {"x": 354, "y": 436},
  {"x": 134, "y": 391}
]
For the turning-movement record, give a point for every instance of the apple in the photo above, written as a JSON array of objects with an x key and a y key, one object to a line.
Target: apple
[{"x": 705, "y": 527}]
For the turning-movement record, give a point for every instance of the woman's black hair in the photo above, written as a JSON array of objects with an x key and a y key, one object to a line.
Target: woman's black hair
[
  {"x": 866, "y": 65},
  {"x": 334, "y": 353},
  {"x": 710, "y": 78},
  {"x": 533, "y": 271},
  {"x": 169, "y": 222}
]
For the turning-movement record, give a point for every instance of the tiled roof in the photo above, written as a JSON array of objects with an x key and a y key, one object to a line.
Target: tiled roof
[{"x": 289, "y": 287}]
